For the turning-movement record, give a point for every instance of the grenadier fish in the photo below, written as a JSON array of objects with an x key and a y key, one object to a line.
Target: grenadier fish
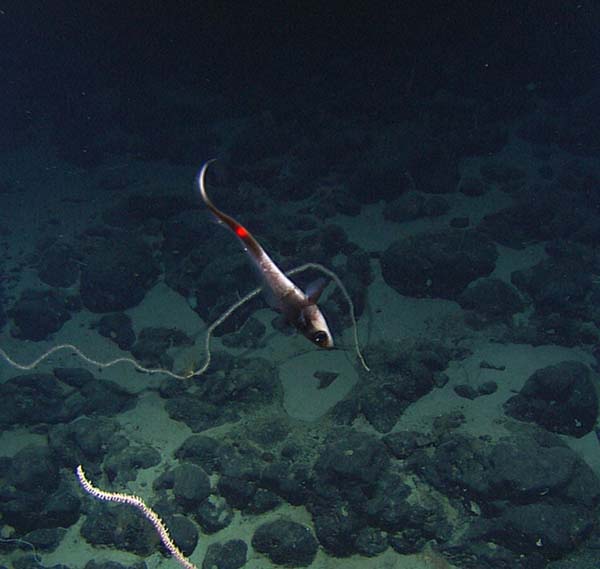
[{"x": 299, "y": 308}]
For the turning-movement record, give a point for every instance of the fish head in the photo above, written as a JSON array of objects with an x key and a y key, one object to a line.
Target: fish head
[{"x": 313, "y": 325}]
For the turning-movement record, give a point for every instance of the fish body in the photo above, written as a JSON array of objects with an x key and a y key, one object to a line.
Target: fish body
[{"x": 298, "y": 307}]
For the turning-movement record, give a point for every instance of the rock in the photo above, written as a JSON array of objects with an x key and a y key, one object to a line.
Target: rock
[
  {"x": 239, "y": 384},
  {"x": 118, "y": 328},
  {"x": 472, "y": 187},
  {"x": 389, "y": 509},
  {"x": 240, "y": 474},
  {"x": 352, "y": 458},
  {"x": 407, "y": 541},
  {"x": 137, "y": 209},
  {"x": 413, "y": 205},
  {"x": 214, "y": 514},
  {"x": 229, "y": 555},
  {"x": 326, "y": 378},
  {"x": 492, "y": 299},
  {"x": 517, "y": 470},
  {"x": 531, "y": 219},
  {"x": 195, "y": 413},
  {"x": 32, "y": 468},
  {"x": 269, "y": 431},
  {"x": 447, "y": 422},
  {"x": 120, "y": 528},
  {"x": 263, "y": 501},
  {"x": 47, "y": 539},
  {"x": 347, "y": 472},
  {"x": 555, "y": 285},
  {"x": 69, "y": 393},
  {"x": 290, "y": 480},
  {"x": 189, "y": 482},
  {"x": 62, "y": 508},
  {"x": 371, "y": 542},
  {"x": 238, "y": 492},
  {"x": 111, "y": 565},
  {"x": 379, "y": 178},
  {"x": 59, "y": 265},
  {"x": 550, "y": 530},
  {"x": 400, "y": 375},
  {"x": 286, "y": 543},
  {"x": 118, "y": 270},
  {"x": 525, "y": 471},
  {"x": 407, "y": 207},
  {"x": 501, "y": 172},
  {"x": 249, "y": 336},
  {"x": 213, "y": 288},
  {"x": 461, "y": 222},
  {"x": 438, "y": 265},
  {"x": 86, "y": 440},
  {"x": 184, "y": 532},
  {"x": 31, "y": 398},
  {"x": 579, "y": 125},
  {"x": 122, "y": 466},
  {"x": 404, "y": 443},
  {"x": 530, "y": 496},
  {"x": 433, "y": 168},
  {"x": 182, "y": 234},
  {"x": 561, "y": 398},
  {"x": 2, "y": 310},
  {"x": 241, "y": 381},
  {"x": 37, "y": 314},
  {"x": 487, "y": 388},
  {"x": 337, "y": 526},
  {"x": 150, "y": 348},
  {"x": 203, "y": 451},
  {"x": 93, "y": 396},
  {"x": 440, "y": 379},
  {"x": 466, "y": 391},
  {"x": 436, "y": 206},
  {"x": 33, "y": 495}
]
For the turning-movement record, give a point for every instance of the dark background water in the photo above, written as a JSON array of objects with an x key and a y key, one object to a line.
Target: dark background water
[
  {"x": 441, "y": 157},
  {"x": 357, "y": 57}
]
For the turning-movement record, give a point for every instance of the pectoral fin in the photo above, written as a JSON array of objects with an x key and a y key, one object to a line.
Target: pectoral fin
[{"x": 315, "y": 289}]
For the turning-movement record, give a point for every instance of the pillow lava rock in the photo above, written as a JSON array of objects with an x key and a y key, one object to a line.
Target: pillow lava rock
[
  {"x": 37, "y": 314},
  {"x": 118, "y": 272},
  {"x": 560, "y": 398},
  {"x": 438, "y": 265}
]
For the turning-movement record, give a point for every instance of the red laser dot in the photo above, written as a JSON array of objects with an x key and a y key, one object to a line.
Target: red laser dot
[{"x": 241, "y": 232}]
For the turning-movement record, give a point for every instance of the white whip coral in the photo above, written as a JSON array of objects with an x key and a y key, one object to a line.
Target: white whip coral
[{"x": 147, "y": 512}]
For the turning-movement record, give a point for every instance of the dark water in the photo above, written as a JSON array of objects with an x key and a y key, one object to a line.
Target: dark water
[{"x": 441, "y": 157}]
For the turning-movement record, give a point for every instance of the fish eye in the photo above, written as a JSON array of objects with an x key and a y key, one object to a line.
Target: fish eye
[{"x": 320, "y": 337}]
